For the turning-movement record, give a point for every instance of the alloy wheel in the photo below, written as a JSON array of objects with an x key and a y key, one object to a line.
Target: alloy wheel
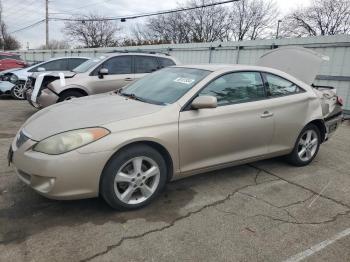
[
  {"x": 18, "y": 91},
  {"x": 307, "y": 145},
  {"x": 136, "y": 180}
]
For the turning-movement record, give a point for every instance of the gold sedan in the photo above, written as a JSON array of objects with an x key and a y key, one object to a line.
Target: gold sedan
[{"x": 125, "y": 146}]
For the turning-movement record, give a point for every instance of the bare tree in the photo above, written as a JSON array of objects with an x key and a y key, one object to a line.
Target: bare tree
[
  {"x": 246, "y": 19},
  {"x": 323, "y": 17},
  {"x": 7, "y": 42},
  {"x": 98, "y": 33},
  {"x": 252, "y": 19},
  {"x": 207, "y": 24},
  {"x": 204, "y": 24},
  {"x": 56, "y": 44},
  {"x": 172, "y": 28}
]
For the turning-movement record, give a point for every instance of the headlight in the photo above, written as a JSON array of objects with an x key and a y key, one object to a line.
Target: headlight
[
  {"x": 13, "y": 78},
  {"x": 70, "y": 140}
]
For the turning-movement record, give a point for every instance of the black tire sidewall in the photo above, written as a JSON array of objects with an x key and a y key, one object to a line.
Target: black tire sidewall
[
  {"x": 294, "y": 158},
  {"x": 113, "y": 165},
  {"x": 68, "y": 93}
]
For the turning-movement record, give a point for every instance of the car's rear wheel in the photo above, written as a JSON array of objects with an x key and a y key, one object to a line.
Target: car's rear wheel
[
  {"x": 17, "y": 90},
  {"x": 306, "y": 146},
  {"x": 68, "y": 95},
  {"x": 133, "y": 177}
]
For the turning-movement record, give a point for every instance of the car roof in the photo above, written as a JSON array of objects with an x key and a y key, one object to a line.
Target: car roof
[
  {"x": 228, "y": 67},
  {"x": 136, "y": 53},
  {"x": 62, "y": 57}
]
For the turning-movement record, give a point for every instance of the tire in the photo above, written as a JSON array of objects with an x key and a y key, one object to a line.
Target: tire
[
  {"x": 68, "y": 95},
  {"x": 17, "y": 91},
  {"x": 133, "y": 177},
  {"x": 306, "y": 147}
]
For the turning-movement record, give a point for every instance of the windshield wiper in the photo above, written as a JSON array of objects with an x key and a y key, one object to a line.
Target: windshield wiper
[{"x": 133, "y": 96}]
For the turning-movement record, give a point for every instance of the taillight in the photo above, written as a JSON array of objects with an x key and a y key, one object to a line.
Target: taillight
[{"x": 340, "y": 101}]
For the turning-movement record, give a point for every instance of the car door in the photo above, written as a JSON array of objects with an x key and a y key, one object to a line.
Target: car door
[
  {"x": 145, "y": 65},
  {"x": 289, "y": 104},
  {"x": 119, "y": 74},
  {"x": 240, "y": 127}
]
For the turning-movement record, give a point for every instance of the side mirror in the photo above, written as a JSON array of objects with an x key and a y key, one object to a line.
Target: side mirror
[
  {"x": 102, "y": 72},
  {"x": 41, "y": 69},
  {"x": 202, "y": 102}
]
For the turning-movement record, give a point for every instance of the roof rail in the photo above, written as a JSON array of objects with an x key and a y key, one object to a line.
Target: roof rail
[{"x": 138, "y": 51}]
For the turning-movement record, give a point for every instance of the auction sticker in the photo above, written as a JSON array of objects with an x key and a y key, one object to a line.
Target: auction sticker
[{"x": 183, "y": 80}]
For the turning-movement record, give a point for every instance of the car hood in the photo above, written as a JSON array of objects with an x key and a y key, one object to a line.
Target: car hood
[
  {"x": 302, "y": 63},
  {"x": 85, "y": 112},
  {"x": 54, "y": 73}
]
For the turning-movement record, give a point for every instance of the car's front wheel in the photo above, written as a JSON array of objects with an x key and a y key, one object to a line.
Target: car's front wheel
[
  {"x": 306, "y": 146},
  {"x": 17, "y": 91},
  {"x": 133, "y": 177},
  {"x": 68, "y": 95}
]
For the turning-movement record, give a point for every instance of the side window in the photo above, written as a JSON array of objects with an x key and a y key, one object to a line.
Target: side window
[
  {"x": 119, "y": 65},
  {"x": 236, "y": 87},
  {"x": 74, "y": 62},
  {"x": 279, "y": 86},
  {"x": 56, "y": 65},
  {"x": 145, "y": 64},
  {"x": 165, "y": 62}
]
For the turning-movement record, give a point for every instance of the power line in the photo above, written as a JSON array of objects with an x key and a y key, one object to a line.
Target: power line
[
  {"x": 29, "y": 26},
  {"x": 124, "y": 18},
  {"x": 80, "y": 7}
]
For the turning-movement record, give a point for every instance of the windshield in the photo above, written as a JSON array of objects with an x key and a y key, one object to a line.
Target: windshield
[
  {"x": 87, "y": 65},
  {"x": 165, "y": 86}
]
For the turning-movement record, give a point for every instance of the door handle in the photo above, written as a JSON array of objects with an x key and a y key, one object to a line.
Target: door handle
[
  {"x": 128, "y": 79},
  {"x": 266, "y": 114}
]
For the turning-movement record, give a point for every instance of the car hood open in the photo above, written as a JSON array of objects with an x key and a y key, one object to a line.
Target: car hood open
[
  {"x": 85, "y": 112},
  {"x": 302, "y": 63}
]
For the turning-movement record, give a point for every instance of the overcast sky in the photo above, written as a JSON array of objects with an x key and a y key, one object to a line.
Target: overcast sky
[{"x": 20, "y": 13}]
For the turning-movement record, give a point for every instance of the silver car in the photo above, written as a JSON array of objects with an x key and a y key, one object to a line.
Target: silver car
[{"x": 179, "y": 121}]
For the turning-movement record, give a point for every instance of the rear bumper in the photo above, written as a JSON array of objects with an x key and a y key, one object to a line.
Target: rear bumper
[{"x": 332, "y": 124}]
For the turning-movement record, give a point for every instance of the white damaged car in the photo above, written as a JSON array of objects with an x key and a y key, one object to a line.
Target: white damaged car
[{"x": 13, "y": 80}]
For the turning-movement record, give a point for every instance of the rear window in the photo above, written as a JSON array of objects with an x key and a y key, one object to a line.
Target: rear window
[
  {"x": 145, "y": 64},
  {"x": 17, "y": 57},
  {"x": 278, "y": 86},
  {"x": 165, "y": 62}
]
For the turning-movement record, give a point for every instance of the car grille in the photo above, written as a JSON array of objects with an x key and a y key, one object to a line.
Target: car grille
[{"x": 21, "y": 139}]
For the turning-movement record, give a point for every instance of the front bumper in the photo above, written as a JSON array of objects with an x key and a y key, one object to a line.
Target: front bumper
[
  {"x": 72, "y": 175},
  {"x": 44, "y": 99},
  {"x": 6, "y": 87},
  {"x": 47, "y": 98}
]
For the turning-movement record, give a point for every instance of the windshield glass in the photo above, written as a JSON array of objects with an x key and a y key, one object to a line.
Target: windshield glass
[
  {"x": 165, "y": 86},
  {"x": 87, "y": 65}
]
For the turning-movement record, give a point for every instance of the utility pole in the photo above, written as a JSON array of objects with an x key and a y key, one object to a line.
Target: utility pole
[
  {"x": 47, "y": 23},
  {"x": 278, "y": 28}
]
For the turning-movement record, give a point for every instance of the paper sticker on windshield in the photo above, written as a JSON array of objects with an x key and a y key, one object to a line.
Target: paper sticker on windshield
[{"x": 183, "y": 80}]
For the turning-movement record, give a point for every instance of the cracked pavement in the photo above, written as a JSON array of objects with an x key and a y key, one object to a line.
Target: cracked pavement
[{"x": 263, "y": 211}]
